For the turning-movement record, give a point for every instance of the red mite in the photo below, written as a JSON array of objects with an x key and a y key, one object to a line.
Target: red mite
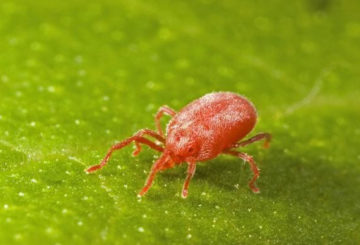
[{"x": 205, "y": 128}]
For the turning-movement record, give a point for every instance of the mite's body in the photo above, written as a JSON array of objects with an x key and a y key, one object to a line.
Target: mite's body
[
  {"x": 205, "y": 128},
  {"x": 209, "y": 125}
]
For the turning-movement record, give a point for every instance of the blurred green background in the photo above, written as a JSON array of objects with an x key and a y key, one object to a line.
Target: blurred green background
[{"x": 76, "y": 76}]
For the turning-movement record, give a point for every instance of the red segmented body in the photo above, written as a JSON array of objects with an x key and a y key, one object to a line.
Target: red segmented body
[{"x": 205, "y": 128}]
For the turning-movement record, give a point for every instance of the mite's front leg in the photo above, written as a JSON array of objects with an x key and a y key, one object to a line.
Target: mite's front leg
[
  {"x": 137, "y": 138},
  {"x": 190, "y": 173},
  {"x": 157, "y": 166}
]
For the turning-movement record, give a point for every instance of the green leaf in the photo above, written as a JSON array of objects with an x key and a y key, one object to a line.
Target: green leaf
[{"x": 77, "y": 76}]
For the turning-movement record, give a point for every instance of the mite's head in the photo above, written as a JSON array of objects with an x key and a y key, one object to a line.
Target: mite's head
[{"x": 182, "y": 145}]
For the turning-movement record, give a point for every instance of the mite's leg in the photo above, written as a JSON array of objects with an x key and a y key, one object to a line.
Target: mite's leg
[
  {"x": 190, "y": 174},
  {"x": 150, "y": 133},
  {"x": 147, "y": 142},
  {"x": 137, "y": 138},
  {"x": 253, "y": 166},
  {"x": 154, "y": 169},
  {"x": 163, "y": 109},
  {"x": 253, "y": 139}
]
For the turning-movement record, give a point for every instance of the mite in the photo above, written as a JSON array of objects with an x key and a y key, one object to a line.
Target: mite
[{"x": 211, "y": 125}]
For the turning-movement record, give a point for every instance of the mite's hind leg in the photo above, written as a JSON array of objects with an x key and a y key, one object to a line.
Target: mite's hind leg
[
  {"x": 253, "y": 139},
  {"x": 253, "y": 167},
  {"x": 137, "y": 138},
  {"x": 157, "y": 166},
  {"x": 190, "y": 173},
  {"x": 163, "y": 109}
]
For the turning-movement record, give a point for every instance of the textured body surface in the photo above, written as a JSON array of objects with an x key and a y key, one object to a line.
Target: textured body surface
[{"x": 211, "y": 123}]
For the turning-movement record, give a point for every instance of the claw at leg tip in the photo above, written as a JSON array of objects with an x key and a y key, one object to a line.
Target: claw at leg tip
[
  {"x": 141, "y": 193},
  {"x": 88, "y": 170},
  {"x": 184, "y": 194},
  {"x": 134, "y": 154},
  {"x": 92, "y": 169}
]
